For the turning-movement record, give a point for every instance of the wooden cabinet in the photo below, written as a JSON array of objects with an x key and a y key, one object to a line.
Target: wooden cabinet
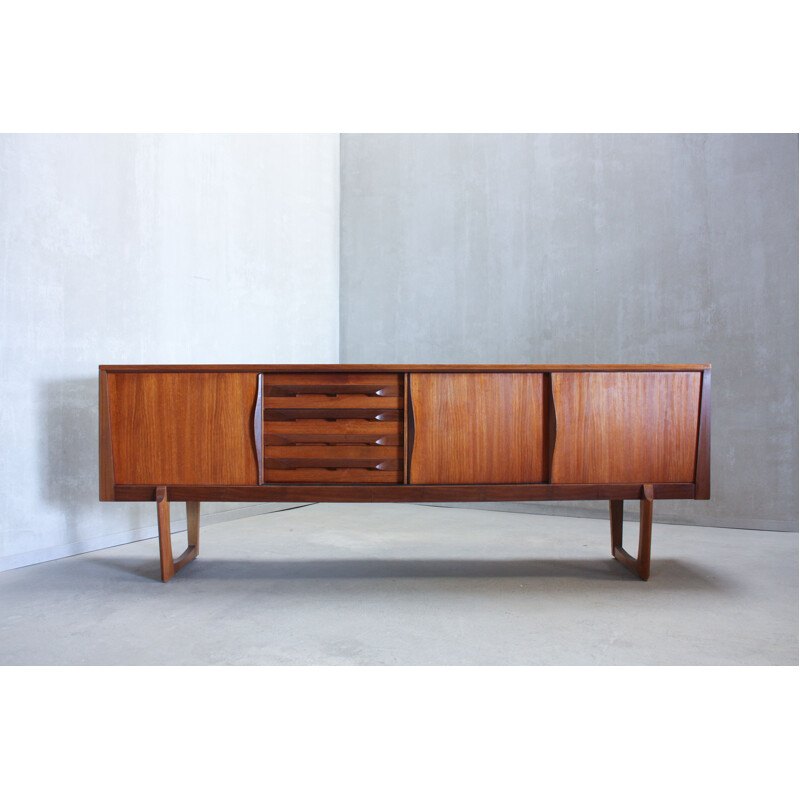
[{"x": 389, "y": 433}]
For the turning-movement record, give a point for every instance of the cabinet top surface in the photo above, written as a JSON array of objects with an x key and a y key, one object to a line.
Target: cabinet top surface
[{"x": 404, "y": 367}]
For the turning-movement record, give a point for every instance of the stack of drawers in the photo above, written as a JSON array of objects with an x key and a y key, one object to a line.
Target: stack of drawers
[{"x": 333, "y": 427}]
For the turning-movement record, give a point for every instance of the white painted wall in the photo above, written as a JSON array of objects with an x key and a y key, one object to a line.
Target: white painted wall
[{"x": 145, "y": 249}]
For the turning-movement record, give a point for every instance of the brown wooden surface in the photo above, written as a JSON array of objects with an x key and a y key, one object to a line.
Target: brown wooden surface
[
  {"x": 169, "y": 564},
  {"x": 549, "y": 442},
  {"x": 406, "y": 379},
  {"x": 330, "y": 475},
  {"x": 478, "y": 428},
  {"x": 334, "y": 462},
  {"x": 325, "y": 402},
  {"x": 106, "y": 456},
  {"x": 183, "y": 428},
  {"x": 323, "y": 438},
  {"x": 164, "y": 537},
  {"x": 615, "y": 509},
  {"x": 323, "y": 428},
  {"x": 625, "y": 427},
  {"x": 330, "y": 407},
  {"x": 319, "y": 492},
  {"x": 703, "y": 471},
  {"x": 641, "y": 564},
  {"x": 193, "y": 525},
  {"x": 321, "y": 413},
  {"x": 325, "y": 451},
  {"x": 258, "y": 428},
  {"x": 400, "y": 368}
]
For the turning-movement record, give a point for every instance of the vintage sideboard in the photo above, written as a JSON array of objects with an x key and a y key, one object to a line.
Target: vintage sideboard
[{"x": 405, "y": 433}]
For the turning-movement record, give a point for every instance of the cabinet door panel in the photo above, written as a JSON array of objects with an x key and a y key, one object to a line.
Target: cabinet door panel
[
  {"x": 478, "y": 428},
  {"x": 183, "y": 428},
  {"x": 625, "y": 427}
]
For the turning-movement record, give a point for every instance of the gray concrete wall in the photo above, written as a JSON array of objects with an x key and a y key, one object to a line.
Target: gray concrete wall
[
  {"x": 144, "y": 249},
  {"x": 597, "y": 249}
]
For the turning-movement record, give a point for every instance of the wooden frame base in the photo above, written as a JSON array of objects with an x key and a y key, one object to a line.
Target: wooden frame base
[
  {"x": 170, "y": 565},
  {"x": 403, "y": 493},
  {"x": 641, "y": 564}
]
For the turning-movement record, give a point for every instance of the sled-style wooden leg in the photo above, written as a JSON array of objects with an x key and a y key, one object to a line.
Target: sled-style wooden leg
[
  {"x": 641, "y": 564},
  {"x": 169, "y": 565}
]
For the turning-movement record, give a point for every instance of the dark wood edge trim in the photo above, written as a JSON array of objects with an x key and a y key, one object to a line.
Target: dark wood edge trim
[
  {"x": 406, "y": 404},
  {"x": 702, "y": 477},
  {"x": 552, "y": 426},
  {"x": 258, "y": 424},
  {"x": 411, "y": 426},
  {"x": 106, "y": 451},
  {"x": 412, "y": 493},
  {"x": 399, "y": 368}
]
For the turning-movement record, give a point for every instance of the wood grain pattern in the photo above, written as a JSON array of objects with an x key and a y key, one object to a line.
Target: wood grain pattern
[
  {"x": 334, "y": 462},
  {"x": 324, "y": 402},
  {"x": 332, "y": 475},
  {"x": 406, "y": 403},
  {"x": 183, "y": 428},
  {"x": 193, "y": 525},
  {"x": 169, "y": 564},
  {"x": 329, "y": 451},
  {"x": 324, "y": 438},
  {"x": 341, "y": 376},
  {"x": 333, "y": 411},
  {"x": 106, "y": 455},
  {"x": 703, "y": 470},
  {"x": 314, "y": 387},
  {"x": 641, "y": 564},
  {"x": 324, "y": 428},
  {"x": 478, "y": 428},
  {"x": 258, "y": 427},
  {"x": 164, "y": 537},
  {"x": 625, "y": 427},
  {"x": 356, "y": 369},
  {"x": 321, "y": 492},
  {"x": 377, "y": 414},
  {"x": 615, "y": 513}
]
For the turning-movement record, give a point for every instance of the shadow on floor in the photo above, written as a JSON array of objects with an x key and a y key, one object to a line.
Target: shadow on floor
[{"x": 669, "y": 574}]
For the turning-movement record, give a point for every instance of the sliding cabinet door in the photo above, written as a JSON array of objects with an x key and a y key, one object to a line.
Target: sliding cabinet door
[
  {"x": 625, "y": 427},
  {"x": 473, "y": 428},
  {"x": 183, "y": 428}
]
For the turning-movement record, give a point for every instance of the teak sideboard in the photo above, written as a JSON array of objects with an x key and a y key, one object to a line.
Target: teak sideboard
[{"x": 405, "y": 433}]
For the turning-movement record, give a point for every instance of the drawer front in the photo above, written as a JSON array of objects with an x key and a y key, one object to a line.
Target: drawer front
[{"x": 332, "y": 428}]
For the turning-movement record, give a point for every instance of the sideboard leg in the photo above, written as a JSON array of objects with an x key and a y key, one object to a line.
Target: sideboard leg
[
  {"x": 615, "y": 512},
  {"x": 645, "y": 530},
  {"x": 170, "y": 565},
  {"x": 193, "y": 525},
  {"x": 641, "y": 564},
  {"x": 164, "y": 538}
]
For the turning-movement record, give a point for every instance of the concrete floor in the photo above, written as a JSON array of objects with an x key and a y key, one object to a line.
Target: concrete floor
[{"x": 414, "y": 585}]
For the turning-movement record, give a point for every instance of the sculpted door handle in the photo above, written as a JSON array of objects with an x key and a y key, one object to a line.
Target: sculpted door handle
[
  {"x": 411, "y": 426},
  {"x": 258, "y": 421}
]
